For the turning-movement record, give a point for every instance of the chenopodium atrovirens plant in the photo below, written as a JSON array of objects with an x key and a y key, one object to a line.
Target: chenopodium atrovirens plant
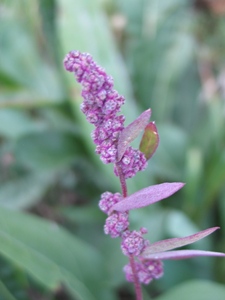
[{"x": 101, "y": 107}]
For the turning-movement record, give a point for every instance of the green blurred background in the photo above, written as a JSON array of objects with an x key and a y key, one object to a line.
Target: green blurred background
[{"x": 165, "y": 54}]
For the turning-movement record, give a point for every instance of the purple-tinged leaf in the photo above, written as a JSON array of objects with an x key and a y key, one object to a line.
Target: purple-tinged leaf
[
  {"x": 147, "y": 196},
  {"x": 169, "y": 244},
  {"x": 181, "y": 254},
  {"x": 130, "y": 132},
  {"x": 149, "y": 141}
]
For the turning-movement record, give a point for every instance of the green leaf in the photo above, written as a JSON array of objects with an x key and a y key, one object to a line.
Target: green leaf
[
  {"x": 171, "y": 152},
  {"x": 25, "y": 191},
  {"x": 195, "y": 290},
  {"x": 27, "y": 65},
  {"x": 47, "y": 151},
  {"x": 15, "y": 124},
  {"x": 178, "y": 224},
  {"x": 150, "y": 140},
  {"x": 50, "y": 254},
  {"x": 5, "y": 293}
]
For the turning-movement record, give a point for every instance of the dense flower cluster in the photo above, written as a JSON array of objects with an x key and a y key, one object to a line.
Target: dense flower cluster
[
  {"x": 101, "y": 105},
  {"x": 133, "y": 243},
  {"x": 116, "y": 224},
  {"x": 147, "y": 270},
  {"x": 132, "y": 161},
  {"x": 108, "y": 200}
]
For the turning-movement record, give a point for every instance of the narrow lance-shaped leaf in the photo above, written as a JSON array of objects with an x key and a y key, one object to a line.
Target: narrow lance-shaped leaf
[
  {"x": 147, "y": 196},
  {"x": 130, "y": 132},
  {"x": 149, "y": 141},
  {"x": 169, "y": 244},
  {"x": 181, "y": 254}
]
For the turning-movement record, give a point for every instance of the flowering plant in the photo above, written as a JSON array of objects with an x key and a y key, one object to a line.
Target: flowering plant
[{"x": 101, "y": 106}]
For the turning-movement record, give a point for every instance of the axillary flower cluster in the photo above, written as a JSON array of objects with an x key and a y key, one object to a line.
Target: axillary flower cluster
[{"x": 101, "y": 107}]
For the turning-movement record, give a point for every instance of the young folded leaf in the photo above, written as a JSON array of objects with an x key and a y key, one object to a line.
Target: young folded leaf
[
  {"x": 169, "y": 244},
  {"x": 147, "y": 196},
  {"x": 149, "y": 141},
  {"x": 129, "y": 133}
]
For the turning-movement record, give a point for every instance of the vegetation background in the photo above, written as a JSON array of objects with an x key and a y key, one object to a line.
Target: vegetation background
[{"x": 165, "y": 54}]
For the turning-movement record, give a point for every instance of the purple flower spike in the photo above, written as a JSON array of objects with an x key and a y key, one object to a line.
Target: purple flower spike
[
  {"x": 148, "y": 196},
  {"x": 101, "y": 101},
  {"x": 101, "y": 105}
]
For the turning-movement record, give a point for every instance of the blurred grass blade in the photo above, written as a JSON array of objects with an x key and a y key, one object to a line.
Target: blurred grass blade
[
  {"x": 15, "y": 124},
  {"x": 4, "y": 292},
  {"x": 50, "y": 254},
  {"x": 195, "y": 290},
  {"x": 49, "y": 150},
  {"x": 24, "y": 192}
]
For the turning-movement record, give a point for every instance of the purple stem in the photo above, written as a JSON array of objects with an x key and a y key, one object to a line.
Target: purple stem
[
  {"x": 137, "y": 284},
  {"x": 122, "y": 180}
]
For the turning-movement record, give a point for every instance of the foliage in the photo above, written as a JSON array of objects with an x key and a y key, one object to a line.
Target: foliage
[{"x": 167, "y": 55}]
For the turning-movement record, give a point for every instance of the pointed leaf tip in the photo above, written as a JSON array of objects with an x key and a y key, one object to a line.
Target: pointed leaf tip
[
  {"x": 150, "y": 140},
  {"x": 130, "y": 132},
  {"x": 147, "y": 196},
  {"x": 169, "y": 244},
  {"x": 182, "y": 254}
]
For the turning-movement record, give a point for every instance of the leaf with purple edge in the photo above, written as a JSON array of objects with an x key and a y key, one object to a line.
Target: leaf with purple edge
[
  {"x": 169, "y": 244},
  {"x": 147, "y": 196},
  {"x": 130, "y": 132},
  {"x": 181, "y": 254},
  {"x": 149, "y": 141}
]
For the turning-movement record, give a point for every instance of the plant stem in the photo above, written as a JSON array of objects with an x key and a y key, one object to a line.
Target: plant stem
[
  {"x": 137, "y": 284},
  {"x": 122, "y": 180}
]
